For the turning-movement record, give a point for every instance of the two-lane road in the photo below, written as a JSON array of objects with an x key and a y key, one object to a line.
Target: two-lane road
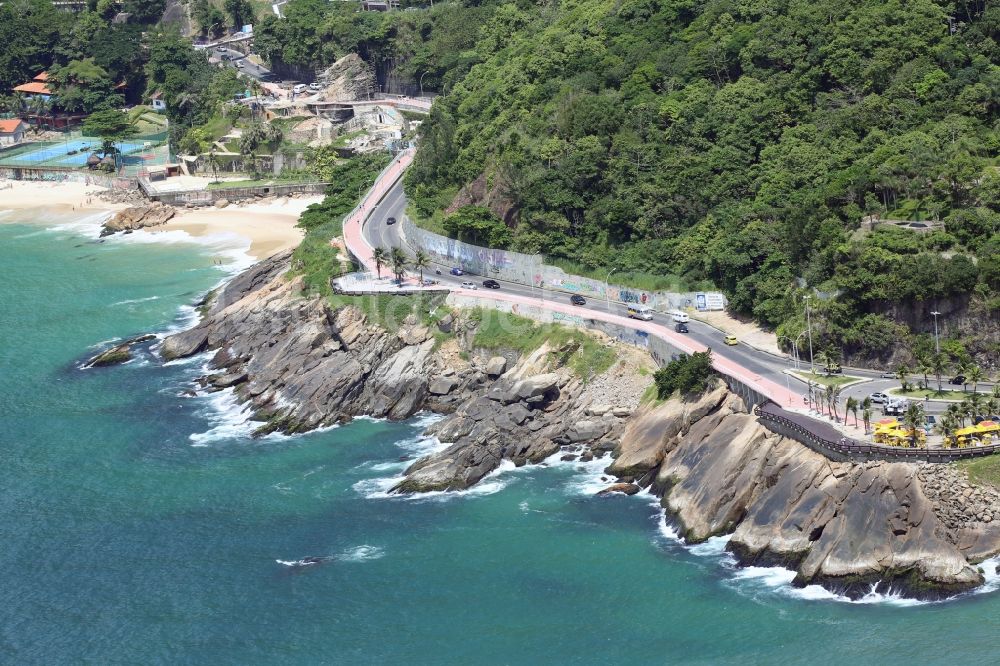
[{"x": 378, "y": 233}]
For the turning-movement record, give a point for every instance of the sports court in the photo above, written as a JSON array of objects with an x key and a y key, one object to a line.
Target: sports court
[{"x": 68, "y": 153}]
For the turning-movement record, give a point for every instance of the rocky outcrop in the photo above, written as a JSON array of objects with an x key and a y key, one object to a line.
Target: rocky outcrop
[
  {"x": 302, "y": 364},
  {"x": 521, "y": 419},
  {"x": 846, "y": 526},
  {"x": 120, "y": 353},
  {"x": 138, "y": 217}
]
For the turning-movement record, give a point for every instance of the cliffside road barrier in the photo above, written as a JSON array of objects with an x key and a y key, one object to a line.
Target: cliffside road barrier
[
  {"x": 830, "y": 442},
  {"x": 771, "y": 402}
]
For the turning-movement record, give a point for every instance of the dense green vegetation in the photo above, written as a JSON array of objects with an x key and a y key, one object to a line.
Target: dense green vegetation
[
  {"x": 743, "y": 143},
  {"x": 435, "y": 45},
  {"x": 690, "y": 375},
  {"x": 315, "y": 259},
  {"x": 581, "y": 352}
]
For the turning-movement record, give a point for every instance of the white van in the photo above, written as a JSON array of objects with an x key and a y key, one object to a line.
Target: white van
[
  {"x": 643, "y": 312},
  {"x": 299, "y": 88},
  {"x": 680, "y": 316}
]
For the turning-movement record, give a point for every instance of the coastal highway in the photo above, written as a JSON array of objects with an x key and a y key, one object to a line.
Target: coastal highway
[
  {"x": 245, "y": 64},
  {"x": 773, "y": 367}
]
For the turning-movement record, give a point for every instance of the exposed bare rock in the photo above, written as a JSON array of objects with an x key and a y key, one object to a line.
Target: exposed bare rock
[
  {"x": 138, "y": 217},
  {"x": 621, "y": 488},
  {"x": 496, "y": 366},
  {"x": 120, "y": 353},
  {"x": 349, "y": 78},
  {"x": 650, "y": 432}
]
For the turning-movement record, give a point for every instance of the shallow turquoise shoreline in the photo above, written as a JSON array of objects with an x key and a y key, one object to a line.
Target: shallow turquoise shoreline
[{"x": 124, "y": 541}]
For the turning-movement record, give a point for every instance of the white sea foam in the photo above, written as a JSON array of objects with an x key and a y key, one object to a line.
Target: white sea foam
[
  {"x": 88, "y": 226},
  {"x": 229, "y": 418},
  {"x": 378, "y": 488},
  {"x": 361, "y": 553},
  {"x": 133, "y": 301},
  {"x": 589, "y": 478}
]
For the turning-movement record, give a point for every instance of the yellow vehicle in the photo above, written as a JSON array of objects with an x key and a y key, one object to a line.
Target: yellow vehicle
[{"x": 731, "y": 340}]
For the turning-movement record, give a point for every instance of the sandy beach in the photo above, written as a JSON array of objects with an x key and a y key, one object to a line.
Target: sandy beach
[
  {"x": 270, "y": 227},
  {"x": 21, "y": 195}
]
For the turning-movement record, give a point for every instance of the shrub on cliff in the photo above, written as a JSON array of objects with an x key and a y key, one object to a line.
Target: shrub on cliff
[{"x": 689, "y": 374}]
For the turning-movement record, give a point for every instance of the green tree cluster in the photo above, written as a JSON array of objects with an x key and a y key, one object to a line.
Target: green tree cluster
[
  {"x": 689, "y": 374},
  {"x": 739, "y": 142}
]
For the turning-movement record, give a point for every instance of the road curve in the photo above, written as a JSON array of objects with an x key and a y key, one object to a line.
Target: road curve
[{"x": 359, "y": 246}]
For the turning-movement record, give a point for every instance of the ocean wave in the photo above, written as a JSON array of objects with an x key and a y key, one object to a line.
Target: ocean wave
[
  {"x": 133, "y": 301},
  {"x": 88, "y": 226},
  {"x": 362, "y": 553},
  {"x": 490, "y": 484},
  {"x": 231, "y": 419},
  {"x": 589, "y": 477},
  {"x": 779, "y": 580}
]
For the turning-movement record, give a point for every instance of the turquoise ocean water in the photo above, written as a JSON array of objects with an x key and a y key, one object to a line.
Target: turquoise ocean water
[{"x": 141, "y": 527}]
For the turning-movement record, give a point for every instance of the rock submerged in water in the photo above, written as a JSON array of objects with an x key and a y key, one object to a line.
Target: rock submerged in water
[
  {"x": 138, "y": 217},
  {"x": 118, "y": 354}
]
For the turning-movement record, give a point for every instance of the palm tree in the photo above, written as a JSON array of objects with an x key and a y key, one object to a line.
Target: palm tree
[
  {"x": 946, "y": 426},
  {"x": 866, "y": 417},
  {"x": 939, "y": 366},
  {"x": 975, "y": 376},
  {"x": 213, "y": 161},
  {"x": 810, "y": 386},
  {"x": 398, "y": 260},
  {"x": 852, "y": 407},
  {"x": 380, "y": 257},
  {"x": 963, "y": 368},
  {"x": 834, "y": 397},
  {"x": 974, "y": 404},
  {"x": 902, "y": 372},
  {"x": 955, "y": 411},
  {"x": 925, "y": 367},
  {"x": 824, "y": 358},
  {"x": 421, "y": 261},
  {"x": 914, "y": 418}
]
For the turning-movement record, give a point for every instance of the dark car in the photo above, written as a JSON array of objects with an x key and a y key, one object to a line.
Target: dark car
[
  {"x": 958, "y": 379},
  {"x": 390, "y": 220},
  {"x": 681, "y": 328},
  {"x": 491, "y": 284},
  {"x": 457, "y": 271},
  {"x": 577, "y": 299}
]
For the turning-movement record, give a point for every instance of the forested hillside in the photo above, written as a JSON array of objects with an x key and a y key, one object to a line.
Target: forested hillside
[{"x": 744, "y": 142}]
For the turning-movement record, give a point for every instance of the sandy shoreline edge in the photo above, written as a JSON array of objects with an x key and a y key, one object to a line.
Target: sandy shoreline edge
[{"x": 269, "y": 227}]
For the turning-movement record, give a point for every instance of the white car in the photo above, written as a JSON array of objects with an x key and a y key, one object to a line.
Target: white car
[
  {"x": 299, "y": 89},
  {"x": 469, "y": 285},
  {"x": 315, "y": 87},
  {"x": 879, "y": 398}
]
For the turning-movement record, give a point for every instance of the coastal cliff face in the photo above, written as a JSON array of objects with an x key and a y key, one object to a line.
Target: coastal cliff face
[
  {"x": 303, "y": 364},
  {"x": 846, "y": 526}
]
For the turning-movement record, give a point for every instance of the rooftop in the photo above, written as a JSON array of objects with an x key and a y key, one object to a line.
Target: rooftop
[
  {"x": 34, "y": 88},
  {"x": 10, "y": 126}
]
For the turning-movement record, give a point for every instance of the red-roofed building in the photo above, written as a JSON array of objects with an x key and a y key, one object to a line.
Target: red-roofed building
[
  {"x": 12, "y": 131},
  {"x": 33, "y": 88}
]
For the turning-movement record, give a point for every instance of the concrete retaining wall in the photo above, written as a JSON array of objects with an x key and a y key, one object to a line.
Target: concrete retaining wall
[{"x": 529, "y": 269}]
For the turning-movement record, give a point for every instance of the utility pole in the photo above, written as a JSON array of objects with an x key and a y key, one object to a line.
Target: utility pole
[
  {"x": 607, "y": 296},
  {"x": 812, "y": 366},
  {"x": 937, "y": 342}
]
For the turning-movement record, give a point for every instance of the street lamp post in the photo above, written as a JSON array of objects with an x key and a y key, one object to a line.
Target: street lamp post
[
  {"x": 422, "y": 83},
  {"x": 809, "y": 328},
  {"x": 937, "y": 343},
  {"x": 607, "y": 295},
  {"x": 798, "y": 358}
]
